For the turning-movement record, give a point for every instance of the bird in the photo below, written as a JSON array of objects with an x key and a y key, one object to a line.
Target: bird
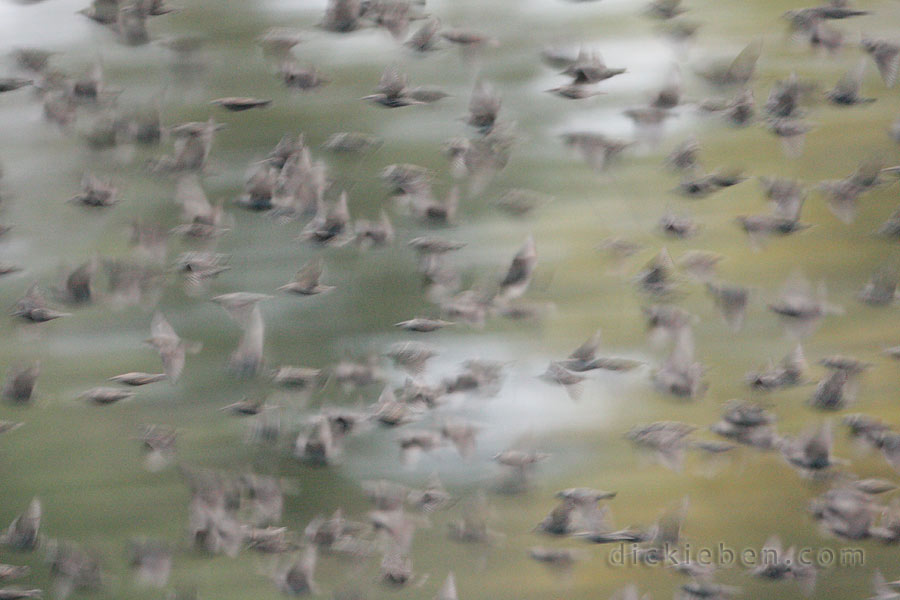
[
  {"x": 589, "y": 67},
  {"x": 738, "y": 71},
  {"x": 597, "y": 150},
  {"x": 306, "y": 281},
  {"x": 788, "y": 372},
  {"x": 664, "y": 9},
  {"x": 810, "y": 452},
  {"x": 96, "y": 192},
  {"x": 883, "y": 589},
  {"x": 352, "y": 142},
  {"x": 392, "y": 90},
  {"x": 158, "y": 445},
  {"x": 243, "y": 308},
  {"x": 18, "y": 593},
  {"x": 800, "y": 307},
  {"x": 172, "y": 349},
  {"x": 731, "y": 300},
  {"x": 886, "y": 55},
  {"x": 423, "y": 324},
  {"x": 33, "y": 307},
  {"x": 106, "y": 395},
  {"x": 484, "y": 108},
  {"x": 301, "y": 78},
  {"x": 193, "y": 144},
  {"x": 18, "y": 387},
  {"x": 11, "y": 84},
  {"x": 776, "y": 564},
  {"x": 448, "y": 589},
  {"x": 425, "y": 38},
  {"x": 239, "y": 103},
  {"x": 295, "y": 576},
  {"x": 557, "y": 374},
  {"x": 666, "y": 439},
  {"x": 13, "y": 571},
  {"x": 787, "y": 96},
  {"x": 23, "y": 533},
  {"x": 847, "y": 90},
  {"x": 575, "y": 91},
  {"x": 329, "y": 226},
  {"x": 677, "y": 226},
  {"x": 342, "y": 16},
  {"x": 151, "y": 561},
  {"x": 297, "y": 377},
  {"x": 277, "y": 42},
  {"x": 520, "y": 272}
]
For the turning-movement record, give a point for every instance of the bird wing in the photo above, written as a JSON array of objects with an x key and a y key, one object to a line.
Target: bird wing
[
  {"x": 160, "y": 328},
  {"x": 887, "y": 59},
  {"x": 851, "y": 82},
  {"x": 744, "y": 64},
  {"x": 588, "y": 350},
  {"x": 189, "y": 194},
  {"x": 484, "y": 102},
  {"x": 522, "y": 266},
  {"x": 309, "y": 274},
  {"x": 392, "y": 83}
]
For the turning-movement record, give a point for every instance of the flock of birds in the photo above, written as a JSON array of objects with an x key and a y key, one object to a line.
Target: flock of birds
[{"x": 230, "y": 513}]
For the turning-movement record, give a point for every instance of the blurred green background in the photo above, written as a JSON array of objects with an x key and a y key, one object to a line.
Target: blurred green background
[{"x": 85, "y": 463}]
